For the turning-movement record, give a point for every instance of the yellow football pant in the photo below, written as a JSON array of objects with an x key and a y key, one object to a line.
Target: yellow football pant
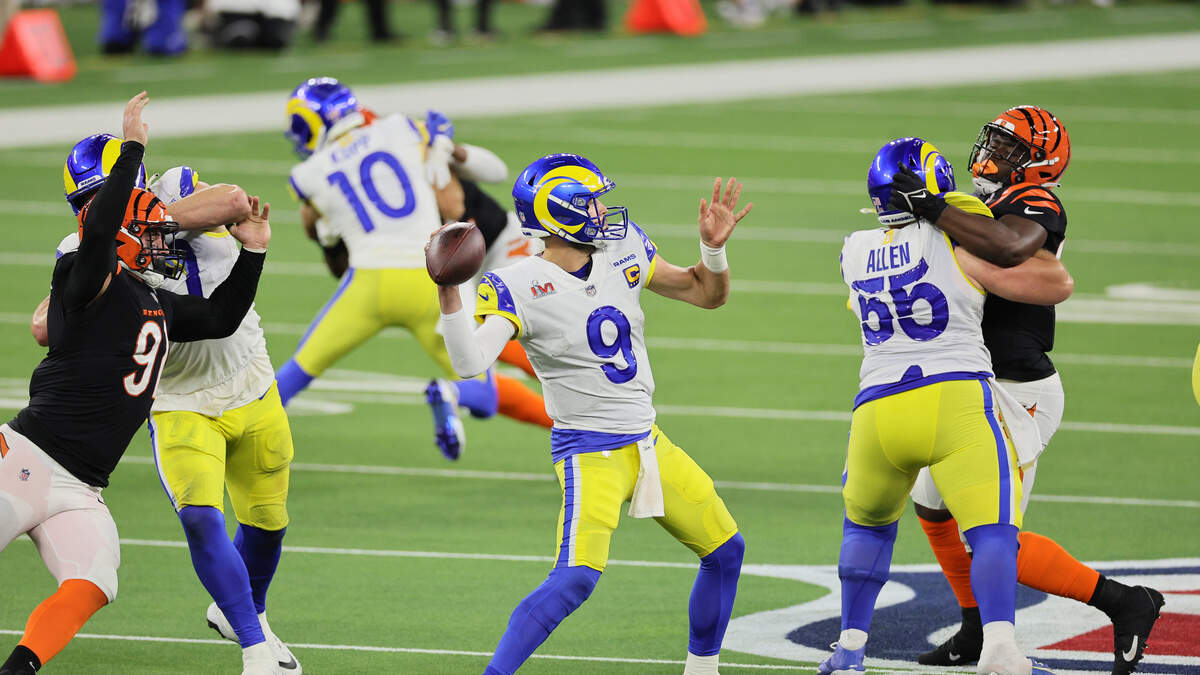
[
  {"x": 247, "y": 450},
  {"x": 366, "y": 301},
  {"x": 951, "y": 427},
  {"x": 596, "y": 484}
]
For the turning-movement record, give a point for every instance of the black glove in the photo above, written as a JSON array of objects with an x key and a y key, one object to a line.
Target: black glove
[{"x": 910, "y": 193}]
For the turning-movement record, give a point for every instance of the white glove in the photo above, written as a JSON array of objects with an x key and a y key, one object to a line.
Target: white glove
[{"x": 437, "y": 161}]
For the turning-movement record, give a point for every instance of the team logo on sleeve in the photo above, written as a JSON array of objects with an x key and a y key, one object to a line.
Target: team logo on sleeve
[{"x": 633, "y": 274}]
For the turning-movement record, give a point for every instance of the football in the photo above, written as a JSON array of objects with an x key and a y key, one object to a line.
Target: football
[{"x": 455, "y": 254}]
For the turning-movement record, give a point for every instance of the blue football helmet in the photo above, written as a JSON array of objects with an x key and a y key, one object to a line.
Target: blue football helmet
[
  {"x": 920, "y": 156},
  {"x": 555, "y": 196},
  {"x": 88, "y": 166},
  {"x": 314, "y": 107}
]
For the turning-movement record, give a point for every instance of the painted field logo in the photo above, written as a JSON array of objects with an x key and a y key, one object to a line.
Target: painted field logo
[{"x": 916, "y": 611}]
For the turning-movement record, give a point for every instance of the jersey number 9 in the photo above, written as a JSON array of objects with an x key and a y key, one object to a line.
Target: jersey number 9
[
  {"x": 605, "y": 349},
  {"x": 368, "y": 163}
]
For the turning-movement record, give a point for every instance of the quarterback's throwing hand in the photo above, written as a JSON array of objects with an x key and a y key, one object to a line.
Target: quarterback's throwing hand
[
  {"x": 717, "y": 218},
  {"x": 132, "y": 126},
  {"x": 255, "y": 231}
]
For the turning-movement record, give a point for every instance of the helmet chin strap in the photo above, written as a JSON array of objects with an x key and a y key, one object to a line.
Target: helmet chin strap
[
  {"x": 985, "y": 187},
  {"x": 148, "y": 277}
]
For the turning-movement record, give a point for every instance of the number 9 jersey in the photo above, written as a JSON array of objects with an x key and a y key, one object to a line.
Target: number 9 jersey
[
  {"x": 920, "y": 314},
  {"x": 369, "y": 187},
  {"x": 585, "y": 337}
]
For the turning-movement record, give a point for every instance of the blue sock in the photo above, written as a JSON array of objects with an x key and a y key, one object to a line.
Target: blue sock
[
  {"x": 481, "y": 397},
  {"x": 260, "y": 551},
  {"x": 863, "y": 568},
  {"x": 540, "y": 613},
  {"x": 712, "y": 597},
  {"x": 994, "y": 571},
  {"x": 292, "y": 380},
  {"x": 221, "y": 570}
]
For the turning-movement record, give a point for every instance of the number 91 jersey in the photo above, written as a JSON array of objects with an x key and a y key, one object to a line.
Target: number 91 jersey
[
  {"x": 920, "y": 314},
  {"x": 585, "y": 337},
  {"x": 369, "y": 187}
]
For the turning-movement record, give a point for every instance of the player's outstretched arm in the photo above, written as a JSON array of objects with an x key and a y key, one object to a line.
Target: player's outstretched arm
[
  {"x": 97, "y": 255},
  {"x": 1006, "y": 242},
  {"x": 37, "y": 325},
  {"x": 705, "y": 284},
  {"x": 196, "y": 318},
  {"x": 211, "y": 206},
  {"x": 1041, "y": 280}
]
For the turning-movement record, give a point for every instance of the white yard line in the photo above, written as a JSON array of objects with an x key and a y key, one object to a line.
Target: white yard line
[
  {"x": 641, "y": 87},
  {"x": 383, "y": 470}
]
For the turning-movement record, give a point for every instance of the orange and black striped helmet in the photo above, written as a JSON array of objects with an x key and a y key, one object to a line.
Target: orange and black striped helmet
[
  {"x": 146, "y": 238},
  {"x": 1025, "y": 144}
]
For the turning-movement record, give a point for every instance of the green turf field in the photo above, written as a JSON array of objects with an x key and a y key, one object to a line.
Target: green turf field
[{"x": 402, "y": 555}]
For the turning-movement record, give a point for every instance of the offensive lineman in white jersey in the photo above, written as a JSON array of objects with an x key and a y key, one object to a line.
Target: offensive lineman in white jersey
[
  {"x": 216, "y": 422},
  {"x": 371, "y": 189},
  {"x": 576, "y": 309},
  {"x": 928, "y": 398}
]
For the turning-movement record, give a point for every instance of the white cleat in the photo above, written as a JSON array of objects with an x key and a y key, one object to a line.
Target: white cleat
[
  {"x": 258, "y": 660},
  {"x": 285, "y": 661}
]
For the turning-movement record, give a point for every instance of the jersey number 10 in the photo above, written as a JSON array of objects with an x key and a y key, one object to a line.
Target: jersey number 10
[{"x": 342, "y": 181}]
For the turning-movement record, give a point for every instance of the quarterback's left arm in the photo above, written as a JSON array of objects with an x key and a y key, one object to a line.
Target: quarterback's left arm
[
  {"x": 705, "y": 284},
  {"x": 1041, "y": 280}
]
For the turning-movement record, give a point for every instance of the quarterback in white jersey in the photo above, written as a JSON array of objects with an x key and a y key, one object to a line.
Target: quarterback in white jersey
[
  {"x": 927, "y": 397},
  {"x": 576, "y": 309},
  {"x": 217, "y": 423}
]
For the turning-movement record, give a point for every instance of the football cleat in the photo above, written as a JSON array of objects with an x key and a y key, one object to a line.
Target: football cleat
[
  {"x": 920, "y": 156},
  {"x": 961, "y": 649},
  {"x": 843, "y": 661},
  {"x": 286, "y": 662},
  {"x": 448, "y": 430},
  {"x": 557, "y": 196},
  {"x": 258, "y": 660},
  {"x": 1132, "y": 624}
]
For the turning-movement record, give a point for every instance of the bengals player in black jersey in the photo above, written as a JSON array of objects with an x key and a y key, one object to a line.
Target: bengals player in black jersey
[
  {"x": 1016, "y": 163},
  {"x": 108, "y": 331}
]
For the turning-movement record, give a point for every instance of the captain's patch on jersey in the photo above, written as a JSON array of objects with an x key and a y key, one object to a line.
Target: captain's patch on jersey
[{"x": 633, "y": 274}]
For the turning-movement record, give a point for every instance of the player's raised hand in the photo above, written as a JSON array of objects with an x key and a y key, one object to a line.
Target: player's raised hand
[
  {"x": 718, "y": 218},
  {"x": 132, "y": 126},
  {"x": 255, "y": 231}
]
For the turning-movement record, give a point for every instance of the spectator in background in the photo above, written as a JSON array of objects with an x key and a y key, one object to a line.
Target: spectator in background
[
  {"x": 376, "y": 19},
  {"x": 159, "y": 24},
  {"x": 445, "y": 31},
  {"x": 570, "y": 15},
  {"x": 253, "y": 24}
]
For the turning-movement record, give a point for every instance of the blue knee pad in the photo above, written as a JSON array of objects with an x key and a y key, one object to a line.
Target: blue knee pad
[{"x": 863, "y": 567}]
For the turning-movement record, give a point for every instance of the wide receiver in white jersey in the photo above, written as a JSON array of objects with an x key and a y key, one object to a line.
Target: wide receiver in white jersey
[
  {"x": 216, "y": 422},
  {"x": 371, "y": 190},
  {"x": 576, "y": 309},
  {"x": 927, "y": 397}
]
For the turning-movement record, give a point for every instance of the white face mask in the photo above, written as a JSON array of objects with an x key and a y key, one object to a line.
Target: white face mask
[{"x": 152, "y": 279}]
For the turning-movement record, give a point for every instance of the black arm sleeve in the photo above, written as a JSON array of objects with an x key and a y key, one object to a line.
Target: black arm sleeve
[
  {"x": 192, "y": 318},
  {"x": 97, "y": 257}
]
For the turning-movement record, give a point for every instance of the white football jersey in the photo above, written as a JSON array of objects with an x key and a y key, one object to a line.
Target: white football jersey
[
  {"x": 585, "y": 337},
  {"x": 920, "y": 315},
  {"x": 370, "y": 189},
  {"x": 208, "y": 376}
]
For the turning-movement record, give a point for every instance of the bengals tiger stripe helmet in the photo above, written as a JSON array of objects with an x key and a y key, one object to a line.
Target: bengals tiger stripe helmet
[
  {"x": 146, "y": 239},
  {"x": 1025, "y": 144}
]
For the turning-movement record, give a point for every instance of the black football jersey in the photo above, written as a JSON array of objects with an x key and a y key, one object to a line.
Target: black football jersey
[
  {"x": 1017, "y": 334},
  {"x": 94, "y": 389}
]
